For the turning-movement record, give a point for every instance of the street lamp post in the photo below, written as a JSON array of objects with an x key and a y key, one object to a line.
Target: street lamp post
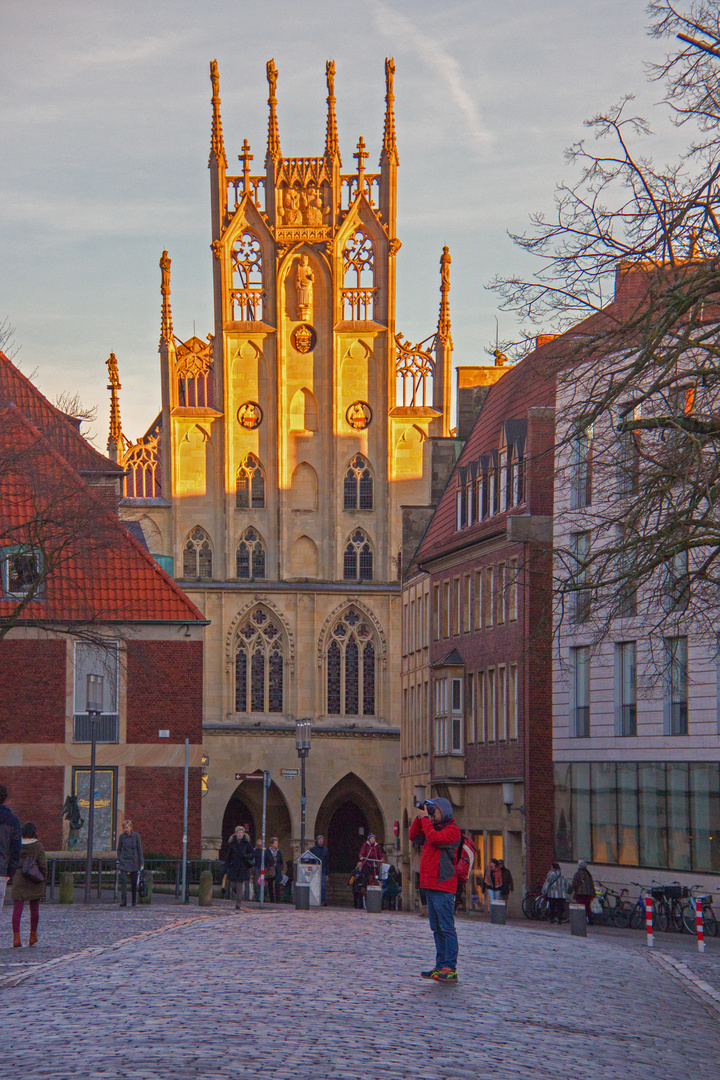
[
  {"x": 302, "y": 743},
  {"x": 94, "y": 704}
]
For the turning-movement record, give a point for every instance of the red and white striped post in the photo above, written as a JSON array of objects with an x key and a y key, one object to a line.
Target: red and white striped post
[
  {"x": 699, "y": 925},
  {"x": 649, "y": 921}
]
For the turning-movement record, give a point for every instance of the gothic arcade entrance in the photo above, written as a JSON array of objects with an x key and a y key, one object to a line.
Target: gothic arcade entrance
[
  {"x": 244, "y": 807},
  {"x": 348, "y": 813}
]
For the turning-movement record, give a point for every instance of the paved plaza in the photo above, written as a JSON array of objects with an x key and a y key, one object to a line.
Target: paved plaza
[{"x": 189, "y": 994}]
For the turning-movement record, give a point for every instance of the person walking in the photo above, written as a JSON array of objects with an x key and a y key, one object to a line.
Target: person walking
[
  {"x": 273, "y": 870},
  {"x": 506, "y": 881},
  {"x": 10, "y": 843},
  {"x": 583, "y": 888},
  {"x": 371, "y": 855},
  {"x": 238, "y": 861},
  {"x": 25, "y": 883},
  {"x": 130, "y": 862},
  {"x": 492, "y": 881},
  {"x": 556, "y": 890},
  {"x": 357, "y": 884},
  {"x": 439, "y": 880},
  {"x": 321, "y": 852}
]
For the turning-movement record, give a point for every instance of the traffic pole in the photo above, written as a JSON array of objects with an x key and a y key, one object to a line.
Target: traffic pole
[
  {"x": 649, "y": 921},
  {"x": 699, "y": 925},
  {"x": 185, "y": 894},
  {"x": 266, "y": 785}
]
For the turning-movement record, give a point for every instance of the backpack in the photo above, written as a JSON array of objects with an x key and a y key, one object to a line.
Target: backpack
[{"x": 465, "y": 858}]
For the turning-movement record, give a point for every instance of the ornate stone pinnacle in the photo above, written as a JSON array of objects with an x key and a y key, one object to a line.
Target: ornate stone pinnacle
[
  {"x": 443, "y": 329},
  {"x": 166, "y": 328},
  {"x": 360, "y": 156},
  {"x": 332, "y": 148},
  {"x": 246, "y": 157},
  {"x": 389, "y": 148},
  {"x": 114, "y": 443},
  {"x": 217, "y": 147},
  {"x": 273, "y": 147}
]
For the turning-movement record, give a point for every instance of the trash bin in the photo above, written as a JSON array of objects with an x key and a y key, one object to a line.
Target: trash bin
[
  {"x": 302, "y": 897},
  {"x": 308, "y": 871},
  {"x": 578, "y": 920},
  {"x": 498, "y": 912},
  {"x": 373, "y": 899}
]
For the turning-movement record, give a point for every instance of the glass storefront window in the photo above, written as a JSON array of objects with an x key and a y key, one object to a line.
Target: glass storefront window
[
  {"x": 563, "y": 802},
  {"x": 581, "y": 810},
  {"x": 678, "y": 811},
  {"x": 705, "y": 805},
  {"x": 651, "y": 793},
  {"x": 627, "y": 790},
  {"x": 604, "y": 812}
]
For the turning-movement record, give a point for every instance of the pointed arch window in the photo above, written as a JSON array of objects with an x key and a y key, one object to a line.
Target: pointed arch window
[
  {"x": 247, "y": 293},
  {"x": 358, "y": 486},
  {"x": 250, "y": 492},
  {"x": 197, "y": 555},
  {"x": 358, "y": 277},
  {"x": 250, "y": 556},
  {"x": 358, "y": 558},
  {"x": 351, "y": 667},
  {"x": 259, "y": 665}
]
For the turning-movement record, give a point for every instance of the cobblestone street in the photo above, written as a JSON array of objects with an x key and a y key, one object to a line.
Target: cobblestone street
[{"x": 177, "y": 993}]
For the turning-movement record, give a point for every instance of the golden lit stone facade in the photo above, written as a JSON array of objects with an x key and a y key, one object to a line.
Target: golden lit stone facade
[{"x": 275, "y": 477}]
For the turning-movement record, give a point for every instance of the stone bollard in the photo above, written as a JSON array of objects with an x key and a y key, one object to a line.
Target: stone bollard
[
  {"x": 373, "y": 899},
  {"x": 149, "y": 883},
  {"x": 205, "y": 889},
  {"x": 498, "y": 912},
  {"x": 578, "y": 920},
  {"x": 67, "y": 884}
]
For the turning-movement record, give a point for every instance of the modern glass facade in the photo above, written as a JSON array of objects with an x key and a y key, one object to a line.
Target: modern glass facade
[{"x": 661, "y": 815}]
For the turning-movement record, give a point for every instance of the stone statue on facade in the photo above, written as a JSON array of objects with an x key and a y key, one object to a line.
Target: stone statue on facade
[{"x": 304, "y": 278}]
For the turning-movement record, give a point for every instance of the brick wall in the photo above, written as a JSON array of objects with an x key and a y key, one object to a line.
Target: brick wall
[
  {"x": 164, "y": 691},
  {"x": 36, "y": 794},
  {"x": 154, "y": 804},
  {"x": 32, "y": 691}
]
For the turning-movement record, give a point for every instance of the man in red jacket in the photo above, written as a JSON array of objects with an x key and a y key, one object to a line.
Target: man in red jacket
[{"x": 438, "y": 878}]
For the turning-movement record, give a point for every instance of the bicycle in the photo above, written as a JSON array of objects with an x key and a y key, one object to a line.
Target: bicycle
[
  {"x": 669, "y": 908},
  {"x": 529, "y": 900},
  {"x": 689, "y": 913},
  {"x": 618, "y": 913},
  {"x": 638, "y": 914}
]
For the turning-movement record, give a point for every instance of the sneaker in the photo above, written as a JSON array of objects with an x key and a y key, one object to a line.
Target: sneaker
[
  {"x": 445, "y": 975},
  {"x": 429, "y": 974}
]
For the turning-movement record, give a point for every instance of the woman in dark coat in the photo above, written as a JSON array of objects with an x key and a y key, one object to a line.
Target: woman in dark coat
[
  {"x": 24, "y": 888},
  {"x": 130, "y": 862},
  {"x": 239, "y": 860}
]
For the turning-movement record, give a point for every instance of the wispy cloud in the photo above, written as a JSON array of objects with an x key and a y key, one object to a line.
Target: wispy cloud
[
  {"x": 122, "y": 52},
  {"x": 401, "y": 29}
]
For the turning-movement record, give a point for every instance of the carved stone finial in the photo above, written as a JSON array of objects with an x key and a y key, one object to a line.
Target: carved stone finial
[
  {"x": 217, "y": 147},
  {"x": 444, "y": 319},
  {"x": 166, "y": 329},
  {"x": 360, "y": 156},
  {"x": 246, "y": 157},
  {"x": 273, "y": 147},
  {"x": 114, "y": 443},
  {"x": 332, "y": 146},
  {"x": 389, "y": 148}
]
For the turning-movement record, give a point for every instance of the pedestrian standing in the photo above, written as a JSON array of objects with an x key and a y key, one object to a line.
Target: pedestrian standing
[
  {"x": 506, "y": 881},
  {"x": 26, "y": 883},
  {"x": 391, "y": 889},
  {"x": 321, "y": 852},
  {"x": 583, "y": 888},
  {"x": 238, "y": 861},
  {"x": 130, "y": 862},
  {"x": 10, "y": 843},
  {"x": 371, "y": 855},
  {"x": 439, "y": 880},
  {"x": 273, "y": 869},
  {"x": 556, "y": 891},
  {"x": 357, "y": 884},
  {"x": 492, "y": 880}
]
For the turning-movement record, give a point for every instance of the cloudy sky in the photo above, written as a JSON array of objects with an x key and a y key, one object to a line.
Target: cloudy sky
[{"x": 105, "y": 129}]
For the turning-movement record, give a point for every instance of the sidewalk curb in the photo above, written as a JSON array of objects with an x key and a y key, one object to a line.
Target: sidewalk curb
[{"x": 697, "y": 986}]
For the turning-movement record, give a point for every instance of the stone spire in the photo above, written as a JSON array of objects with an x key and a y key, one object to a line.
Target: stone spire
[
  {"x": 389, "y": 147},
  {"x": 217, "y": 146},
  {"x": 332, "y": 147},
  {"x": 273, "y": 146},
  {"x": 166, "y": 327},
  {"x": 114, "y": 443},
  {"x": 443, "y": 329}
]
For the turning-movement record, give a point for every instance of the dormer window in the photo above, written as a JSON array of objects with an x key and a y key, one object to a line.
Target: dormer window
[{"x": 21, "y": 571}]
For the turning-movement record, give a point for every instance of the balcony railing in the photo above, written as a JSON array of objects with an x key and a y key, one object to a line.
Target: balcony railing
[{"x": 107, "y": 728}]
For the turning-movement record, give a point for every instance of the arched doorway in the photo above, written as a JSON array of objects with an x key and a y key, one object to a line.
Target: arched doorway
[
  {"x": 244, "y": 807},
  {"x": 348, "y": 812}
]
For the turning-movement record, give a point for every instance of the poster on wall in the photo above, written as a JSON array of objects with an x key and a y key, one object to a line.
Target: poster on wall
[{"x": 105, "y": 809}]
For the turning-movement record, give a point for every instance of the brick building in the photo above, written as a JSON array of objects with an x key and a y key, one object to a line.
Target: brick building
[
  {"x": 82, "y": 599},
  {"x": 477, "y": 710}
]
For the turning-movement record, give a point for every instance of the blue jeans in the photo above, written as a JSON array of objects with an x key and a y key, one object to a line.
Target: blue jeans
[{"x": 441, "y": 911}]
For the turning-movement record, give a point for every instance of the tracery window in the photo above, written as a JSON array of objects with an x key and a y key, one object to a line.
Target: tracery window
[
  {"x": 358, "y": 487},
  {"x": 247, "y": 293},
  {"x": 250, "y": 556},
  {"x": 358, "y": 277},
  {"x": 250, "y": 492},
  {"x": 142, "y": 465},
  {"x": 197, "y": 555},
  {"x": 358, "y": 558},
  {"x": 351, "y": 667},
  {"x": 259, "y": 665}
]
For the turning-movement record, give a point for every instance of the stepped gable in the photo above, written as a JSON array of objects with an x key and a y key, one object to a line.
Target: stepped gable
[
  {"x": 113, "y": 579},
  {"x": 17, "y": 389}
]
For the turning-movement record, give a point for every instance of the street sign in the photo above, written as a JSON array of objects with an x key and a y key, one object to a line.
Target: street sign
[
  {"x": 289, "y": 772},
  {"x": 249, "y": 776}
]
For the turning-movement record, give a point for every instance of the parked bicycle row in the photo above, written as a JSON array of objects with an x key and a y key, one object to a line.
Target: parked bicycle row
[{"x": 673, "y": 905}]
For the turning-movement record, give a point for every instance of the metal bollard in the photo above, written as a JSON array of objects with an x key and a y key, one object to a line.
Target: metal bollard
[
  {"x": 578, "y": 920},
  {"x": 302, "y": 897},
  {"x": 699, "y": 926},
  {"x": 498, "y": 912},
  {"x": 649, "y": 922}
]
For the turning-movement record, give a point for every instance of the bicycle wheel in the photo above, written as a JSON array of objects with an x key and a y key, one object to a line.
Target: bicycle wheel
[
  {"x": 637, "y": 918},
  {"x": 528, "y": 905},
  {"x": 663, "y": 919},
  {"x": 542, "y": 908},
  {"x": 689, "y": 918},
  {"x": 710, "y": 924},
  {"x": 676, "y": 917},
  {"x": 622, "y": 914}
]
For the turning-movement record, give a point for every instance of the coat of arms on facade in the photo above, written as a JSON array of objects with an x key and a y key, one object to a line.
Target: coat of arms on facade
[
  {"x": 359, "y": 415},
  {"x": 250, "y": 415},
  {"x": 303, "y": 338}
]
